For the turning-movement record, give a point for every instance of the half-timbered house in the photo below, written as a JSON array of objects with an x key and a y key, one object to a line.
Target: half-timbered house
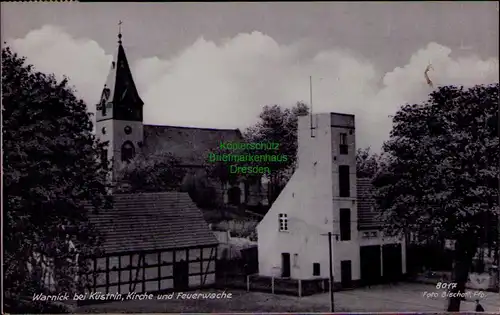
[{"x": 152, "y": 242}]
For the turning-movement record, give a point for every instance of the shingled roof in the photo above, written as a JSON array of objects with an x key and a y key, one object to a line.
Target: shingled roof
[
  {"x": 152, "y": 221},
  {"x": 189, "y": 144},
  {"x": 367, "y": 214},
  {"x": 120, "y": 81}
]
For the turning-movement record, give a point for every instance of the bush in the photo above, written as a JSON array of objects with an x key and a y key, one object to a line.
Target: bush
[
  {"x": 27, "y": 305},
  {"x": 239, "y": 228}
]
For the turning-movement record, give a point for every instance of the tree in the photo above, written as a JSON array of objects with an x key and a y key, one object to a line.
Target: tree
[
  {"x": 201, "y": 190},
  {"x": 51, "y": 171},
  {"x": 219, "y": 171},
  {"x": 157, "y": 172},
  {"x": 280, "y": 126},
  {"x": 367, "y": 163},
  {"x": 441, "y": 179}
]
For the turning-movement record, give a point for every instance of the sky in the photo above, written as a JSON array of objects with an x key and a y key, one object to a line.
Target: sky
[{"x": 216, "y": 65}]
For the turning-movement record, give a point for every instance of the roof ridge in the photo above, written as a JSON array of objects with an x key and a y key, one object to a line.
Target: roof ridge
[
  {"x": 200, "y": 128},
  {"x": 364, "y": 181},
  {"x": 152, "y": 193}
]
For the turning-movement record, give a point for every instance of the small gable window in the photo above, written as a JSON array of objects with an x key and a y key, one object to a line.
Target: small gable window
[
  {"x": 283, "y": 222},
  {"x": 128, "y": 151}
]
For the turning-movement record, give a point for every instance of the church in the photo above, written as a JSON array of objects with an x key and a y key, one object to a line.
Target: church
[{"x": 119, "y": 121}]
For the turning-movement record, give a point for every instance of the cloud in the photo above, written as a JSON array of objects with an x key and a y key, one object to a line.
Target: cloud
[
  {"x": 226, "y": 85},
  {"x": 51, "y": 50}
]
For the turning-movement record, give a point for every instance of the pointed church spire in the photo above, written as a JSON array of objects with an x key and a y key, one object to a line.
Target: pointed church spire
[
  {"x": 120, "y": 32},
  {"x": 120, "y": 98}
]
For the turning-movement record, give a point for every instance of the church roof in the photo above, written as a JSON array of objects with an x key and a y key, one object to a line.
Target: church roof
[
  {"x": 152, "y": 221},
  {"x": 368, "y": 216},
  {"x": 120, "y": 87},
  {"x": 191, "y": 145}
]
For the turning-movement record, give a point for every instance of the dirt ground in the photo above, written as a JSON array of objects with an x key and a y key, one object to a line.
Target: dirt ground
[
  {"x": 403, "y": 297},
  {"x": 240, "y": 301}
]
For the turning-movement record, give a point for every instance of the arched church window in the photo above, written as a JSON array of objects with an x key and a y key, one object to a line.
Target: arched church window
[{"x": 128, "y": 151}]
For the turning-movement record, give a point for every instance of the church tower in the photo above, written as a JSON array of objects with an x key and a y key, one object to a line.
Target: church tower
[{"x": 119, "y": 115}]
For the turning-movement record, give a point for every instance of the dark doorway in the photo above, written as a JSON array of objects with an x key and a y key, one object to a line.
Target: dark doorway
[
  {"x": 346, "y": 274},
  {"x": 247, "y": 191},
  {"x": 250, "y": 257},
  {"x": 285, "y": 265},
  {"x": 392, "y": 263},
  {"x": 181, "y": 275},
  {"x": 370, "y": 264},
  {"x": 234, "y": 195}
]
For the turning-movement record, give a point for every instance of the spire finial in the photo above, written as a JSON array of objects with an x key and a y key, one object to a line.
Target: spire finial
[{"x": 120, "y": 32}]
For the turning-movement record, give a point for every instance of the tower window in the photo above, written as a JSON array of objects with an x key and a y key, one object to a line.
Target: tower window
[
  {"x": 128, "y": 130},
  {"x": 343, "y": 138},
  {"x": 103, "y": 130},
  {"x": 343, "y": 148},
  {"x": 283, "y": 222},
  {"x": 345, "y": 224},
  {"x": 128, "y": 151},
  {"x": 344, "y": 182}
]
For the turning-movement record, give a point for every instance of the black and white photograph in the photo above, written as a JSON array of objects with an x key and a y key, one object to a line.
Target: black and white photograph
[{"x": 250, "y": 157}]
